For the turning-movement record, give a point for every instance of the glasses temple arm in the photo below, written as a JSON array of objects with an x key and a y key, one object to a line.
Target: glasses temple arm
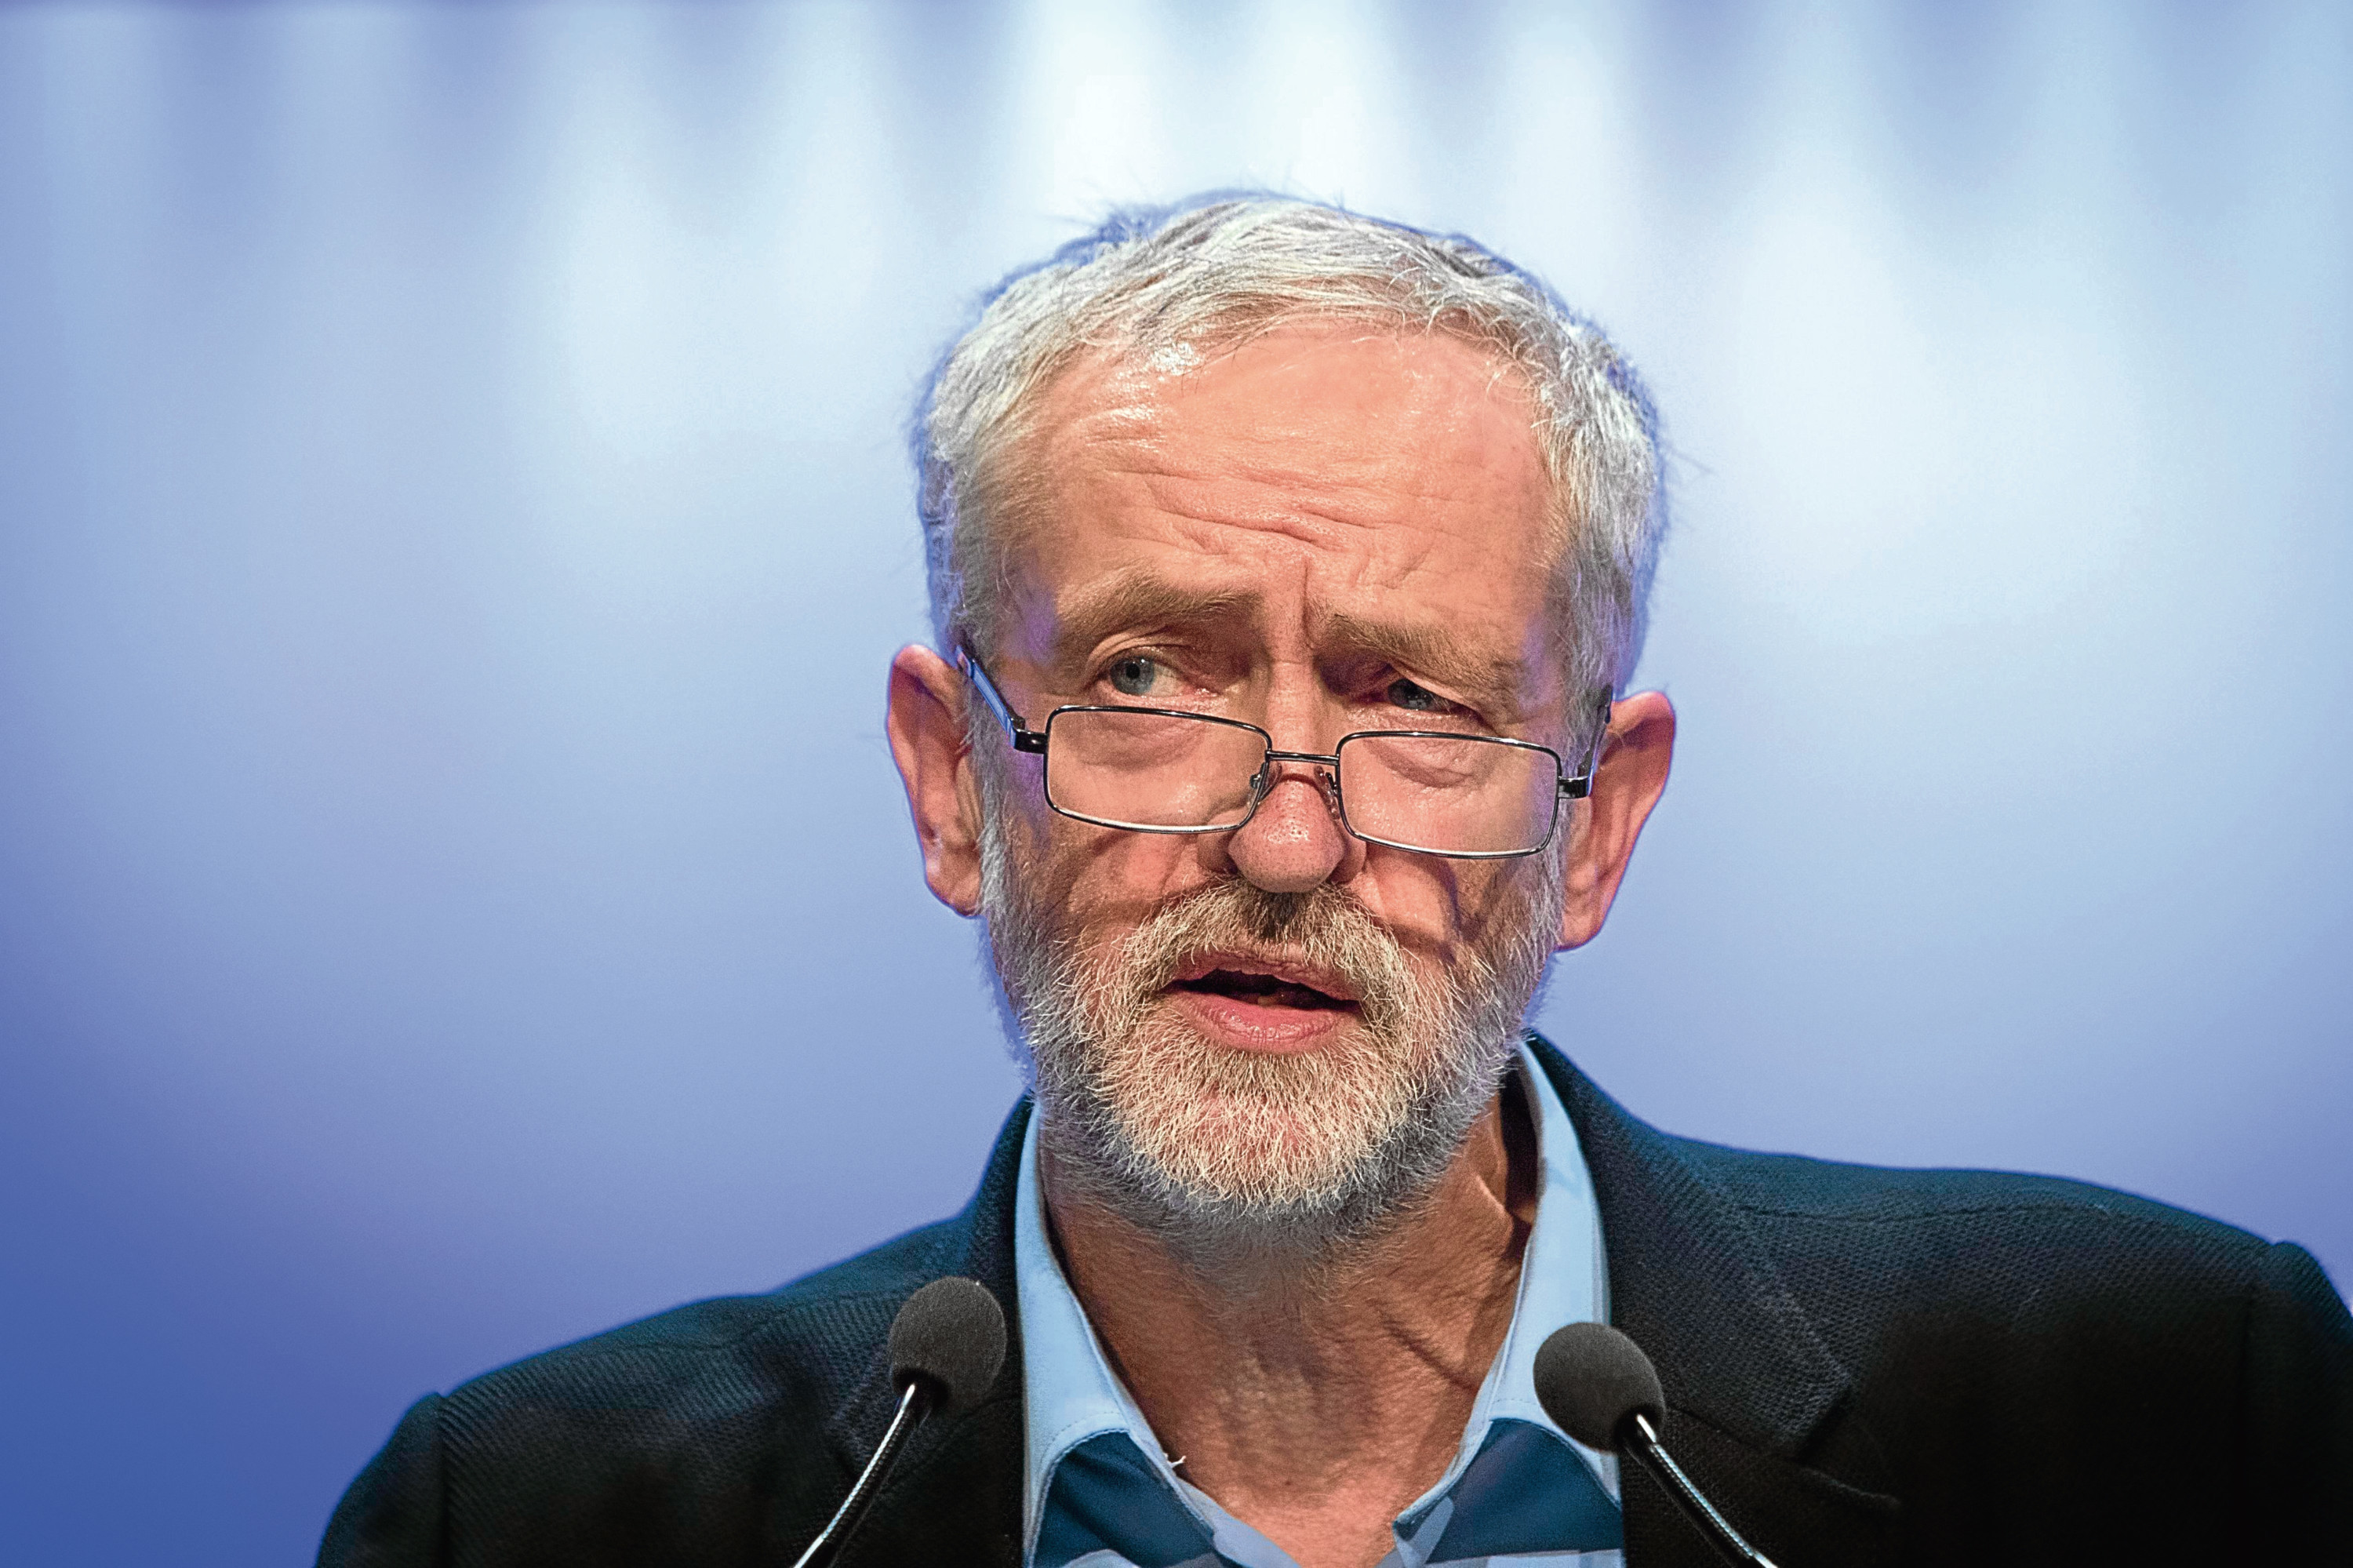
[
  {"x": 1024, "y": 739},
  {"x": 1580, "y": 784}
]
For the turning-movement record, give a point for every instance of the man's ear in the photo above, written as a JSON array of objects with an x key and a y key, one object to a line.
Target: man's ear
[
  {"x": 1626, "y": 784},
  {"x": 926, "y": 721}
]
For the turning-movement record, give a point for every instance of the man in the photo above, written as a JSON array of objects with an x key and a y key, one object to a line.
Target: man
[{"x": 1287, "y": 569}]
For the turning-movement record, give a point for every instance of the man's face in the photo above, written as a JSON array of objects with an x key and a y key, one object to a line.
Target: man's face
[{"x": 1324, "y": 532}]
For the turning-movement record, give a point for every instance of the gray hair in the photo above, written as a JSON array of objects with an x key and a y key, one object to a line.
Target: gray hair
[{"x": 1165, "y": 286}]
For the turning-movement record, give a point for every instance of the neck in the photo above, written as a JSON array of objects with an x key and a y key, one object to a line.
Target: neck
[{"x": 1315, "y": 1398}]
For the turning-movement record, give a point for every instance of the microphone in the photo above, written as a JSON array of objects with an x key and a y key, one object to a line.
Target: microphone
[
  {"x": 1602, "y": 1390},
  {"x": 946, "y": 1345}
]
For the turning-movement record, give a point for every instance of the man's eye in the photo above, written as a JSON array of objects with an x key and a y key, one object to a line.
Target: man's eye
[
  {"x": 1414, "y": 696},
  {"x": 1135, "y": 675}
]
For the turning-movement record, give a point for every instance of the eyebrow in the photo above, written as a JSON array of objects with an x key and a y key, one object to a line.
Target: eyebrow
[
  {"x": 1492, "y": 681},
  {"x": 1137, "y": 598}
]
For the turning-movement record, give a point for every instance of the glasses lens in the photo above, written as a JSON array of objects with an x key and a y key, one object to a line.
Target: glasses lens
[
  {"x": 1449, "y": 794},
  {"x": 1140, "y": 770}
]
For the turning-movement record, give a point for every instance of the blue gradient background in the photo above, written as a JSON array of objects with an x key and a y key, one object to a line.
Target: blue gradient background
[{"x": 454, "y": 895}]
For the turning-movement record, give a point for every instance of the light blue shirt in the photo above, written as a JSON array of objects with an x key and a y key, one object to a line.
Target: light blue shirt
[{"x": 1100, "y": 1493}]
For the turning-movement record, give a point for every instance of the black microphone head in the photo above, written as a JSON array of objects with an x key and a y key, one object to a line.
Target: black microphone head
[
  {"x": 1592, "y": 1380},
  {"x": 950, "y": 1334}
]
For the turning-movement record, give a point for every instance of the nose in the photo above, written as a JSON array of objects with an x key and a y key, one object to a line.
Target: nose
[{"x": 1294, "y": 840}]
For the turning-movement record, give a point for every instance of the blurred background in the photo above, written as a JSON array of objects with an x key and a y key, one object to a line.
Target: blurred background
[{"x": 454, "y": 895}]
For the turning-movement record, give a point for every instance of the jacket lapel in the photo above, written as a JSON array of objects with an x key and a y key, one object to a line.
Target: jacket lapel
[
  {"x": 955, "y": 1495},
  {"x": 1756, "y": 1399}
]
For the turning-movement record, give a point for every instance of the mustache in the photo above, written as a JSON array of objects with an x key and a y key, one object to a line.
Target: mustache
[{"x": 1323, "y": 927}]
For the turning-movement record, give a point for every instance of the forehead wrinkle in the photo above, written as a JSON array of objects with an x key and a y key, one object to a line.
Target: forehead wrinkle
[
  {"x": 1304, "y": 488},
  {"x": 1310, "y": 506}
]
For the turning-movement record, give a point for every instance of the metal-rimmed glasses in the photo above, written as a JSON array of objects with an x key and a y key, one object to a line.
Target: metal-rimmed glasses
[{"x": 1171, "y": 770}]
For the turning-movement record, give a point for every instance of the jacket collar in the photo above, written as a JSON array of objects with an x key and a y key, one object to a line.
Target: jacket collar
[
  {"x": 1756, "y": 1399},
  {"x": 1690, "y": 1280}
]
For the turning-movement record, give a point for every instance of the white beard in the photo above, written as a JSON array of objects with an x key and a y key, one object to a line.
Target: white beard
[{"x": 1238, "y": 1158}]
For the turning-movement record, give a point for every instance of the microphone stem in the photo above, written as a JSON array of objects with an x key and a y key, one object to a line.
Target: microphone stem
[
  {"x": 1647, "y": 1447},
  {"x": 913, "y": 1407}
]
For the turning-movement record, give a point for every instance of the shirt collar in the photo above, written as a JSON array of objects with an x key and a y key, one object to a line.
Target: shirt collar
[{"x": 1071, "y": 1393}]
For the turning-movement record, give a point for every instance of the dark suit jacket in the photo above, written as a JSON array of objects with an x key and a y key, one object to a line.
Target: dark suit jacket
[{"x": 1862, "y": 1365}]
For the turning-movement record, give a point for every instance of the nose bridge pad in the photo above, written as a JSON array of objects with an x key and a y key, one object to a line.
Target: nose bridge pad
[
  {"x": 1339, "y": 806},
  {"x": 1262, "y": 783}
]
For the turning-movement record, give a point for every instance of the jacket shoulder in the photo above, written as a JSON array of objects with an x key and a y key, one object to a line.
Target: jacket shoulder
[
  {"x": 2038, "y": 1277},
  {"x": 1794, "y": 1187},
  {"x": 1888, "y": 1230},
  {"x": 1988, "y": 1240},
  {"x": 799, "y": 1347},
  {"x": 700, "y": 1431},
  {"x": 2110, "y": 1339},
  {"x": 721, "y": 1431}
]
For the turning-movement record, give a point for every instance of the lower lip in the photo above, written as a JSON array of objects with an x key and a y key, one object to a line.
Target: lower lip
[{"x": 1254, "y": 1026}]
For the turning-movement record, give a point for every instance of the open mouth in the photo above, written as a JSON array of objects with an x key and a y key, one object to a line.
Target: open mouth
[{"x": 1257, "y": 989}]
